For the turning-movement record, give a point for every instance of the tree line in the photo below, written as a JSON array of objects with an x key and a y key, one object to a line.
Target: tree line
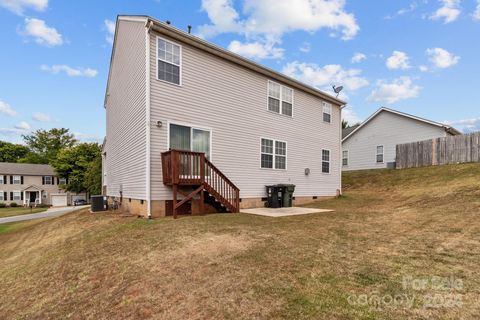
[{"x": 79, "y": 163}]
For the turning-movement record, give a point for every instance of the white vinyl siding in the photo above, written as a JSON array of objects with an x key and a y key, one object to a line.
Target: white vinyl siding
[
  {"x": 386, "y": 129},
  {"x": 327, "y": 112},
  {"x": 126, "y": 113},
  {"x": 169, "y": 64},
  {"x": 345, "y": 158},
  {"x": 280, "y": 99}
]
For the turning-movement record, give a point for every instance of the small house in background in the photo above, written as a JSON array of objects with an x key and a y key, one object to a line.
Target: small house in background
[
  {"x": 33, "y": 184},
  {"x": 372, "y": 144}
]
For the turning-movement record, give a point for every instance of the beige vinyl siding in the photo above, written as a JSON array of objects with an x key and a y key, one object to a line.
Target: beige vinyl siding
[
  {"x": 387, "y": 129},
  {"x": 126, "y": 114},
  {"x": 232, "y": 102}
]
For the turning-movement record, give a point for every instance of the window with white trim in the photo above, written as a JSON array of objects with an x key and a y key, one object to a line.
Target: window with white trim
[
  {"x": 325, "y": 161},
  {"x": 17, "y": 179},
  {"x": 169, "y": 61},
  {"x": 280, "y": 99},
  {"x": 273, "y": 154},
  {"x": 379, "y": 154},
  {"x": 17, "y": 195},
  {"x": 1, "y": 179},
  {"x": 2, "y": 193},
  {"x": 327, "y": 112},
  {"x": 62, "y": 181},
  {"x": 47, "y": 179},
  {"x": 345, "y": 157}
]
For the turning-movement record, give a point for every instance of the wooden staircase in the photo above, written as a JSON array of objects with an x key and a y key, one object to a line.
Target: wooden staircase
[{"x": 192, "y": 169}]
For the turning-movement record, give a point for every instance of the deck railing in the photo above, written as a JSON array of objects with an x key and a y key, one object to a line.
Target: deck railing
[{"x": 193, "y": 168}]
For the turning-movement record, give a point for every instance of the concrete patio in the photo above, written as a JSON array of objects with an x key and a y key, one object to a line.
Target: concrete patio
[{"x": 283, "y": 212}]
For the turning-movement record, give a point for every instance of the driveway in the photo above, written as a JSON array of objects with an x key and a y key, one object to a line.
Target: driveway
[{"x": 52, "y": 212}]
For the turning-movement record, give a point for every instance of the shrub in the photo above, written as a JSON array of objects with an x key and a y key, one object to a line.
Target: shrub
[
  {"x": 3, "y": 205},
  {"x": 13, "y": 205}
]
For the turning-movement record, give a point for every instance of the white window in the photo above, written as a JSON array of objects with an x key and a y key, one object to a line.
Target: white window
[
  {"x": 327, "y": 112},
  {"x": 273, "y": 154},
  {"x": 17, "y": 195},
  {"x": 325, "y": 161},
  {"x": 379, "y": 154},
  {"x": 62, "y": 181},
  {"x": 345, "y": 157},
  {"x": 17, "y": 179},
  {"x": 2, "y": 198},
  {"x": 280, "y": 99},
  {"x": 1, "y": 180},
  {"x": 47, "y": 179},
  {"x": 169, "y": 61}
]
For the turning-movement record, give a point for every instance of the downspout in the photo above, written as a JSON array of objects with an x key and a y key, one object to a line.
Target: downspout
[
  {"x": 147, "y": 127},
  {"x": 341, "y": 150}
]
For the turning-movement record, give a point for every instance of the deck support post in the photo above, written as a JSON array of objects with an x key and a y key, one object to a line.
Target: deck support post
[{"x": 174, "y": 201}]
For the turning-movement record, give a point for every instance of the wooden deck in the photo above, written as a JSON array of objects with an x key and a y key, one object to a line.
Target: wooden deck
[{"x": 188, "y": 168}]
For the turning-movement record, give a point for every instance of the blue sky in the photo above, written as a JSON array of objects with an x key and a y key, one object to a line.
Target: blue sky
[{"x": 420, "y": 57}]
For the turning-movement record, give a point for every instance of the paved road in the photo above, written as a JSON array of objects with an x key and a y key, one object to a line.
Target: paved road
[{"x": 52, "y": 212}]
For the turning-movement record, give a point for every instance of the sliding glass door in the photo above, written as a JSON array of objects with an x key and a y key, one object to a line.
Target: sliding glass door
[{"x": 190, "y": 139}]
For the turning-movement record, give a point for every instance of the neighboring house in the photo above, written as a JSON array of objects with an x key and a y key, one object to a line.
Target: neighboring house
[
  {"x": 372, "y": 144},
  {"x": 242, "y": 126},
  {"x": 35, "y": 184}
]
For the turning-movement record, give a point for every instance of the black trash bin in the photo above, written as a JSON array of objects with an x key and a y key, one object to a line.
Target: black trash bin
[
  {"x": 98, "y": 203},
  {"x": 287, "y": 198},
  {"x": 274, "y": 196}
]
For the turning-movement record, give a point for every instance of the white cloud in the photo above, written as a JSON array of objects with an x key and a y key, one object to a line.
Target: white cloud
[
  {"x": 441, "y": 58},
  {"x": 109, "y": 26},
  {"x": 6, "y": 109},
  {"x": 19, "y": 6},
  {"x": 318, "y": 76},
  {"x": 265, "y": 21},
  {"x": 71, "y": 72},
  {"x": 465, "y": 125},
  {"x": 85, "y": 137},
  {"x": 11, "y": 131},
  {"x": 23, "y": 126},
  {"x": 448, "y": 12},
  {"x": 476, "y": 13},
  {"x": 42, "y": 33},
  {"x": 402, "y": 11},
  {"x": 349, "y": 115},
  {"x": 41, "y": 117},
  {"x": 256, "y": 50},
  {"x": 399, "y": 89},
  {"x": 305, "y": 48},
  {"x": 423, "y": 68},
  {"x": 398, "y": 60},
  {"x": 358, "y": 57}
]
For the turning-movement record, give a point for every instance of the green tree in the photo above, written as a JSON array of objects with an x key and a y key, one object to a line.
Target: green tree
[
  {"x": 81, "y": 165},
  {"x": 344, "y": 124},
  {"x": 46, "y": 144},
  {"x": 10, "y": 152}
]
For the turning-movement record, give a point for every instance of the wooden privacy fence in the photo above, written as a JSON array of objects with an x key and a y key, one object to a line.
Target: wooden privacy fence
[{"x": 439, "y": 151}]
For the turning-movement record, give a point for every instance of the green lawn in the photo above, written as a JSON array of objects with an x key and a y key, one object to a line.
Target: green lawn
[
  {"x": 394, "y": 234},
  {"x": 9, "y": 212}
]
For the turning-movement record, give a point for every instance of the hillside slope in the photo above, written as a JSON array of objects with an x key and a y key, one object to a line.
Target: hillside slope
[{"x": 389, "y": 226}]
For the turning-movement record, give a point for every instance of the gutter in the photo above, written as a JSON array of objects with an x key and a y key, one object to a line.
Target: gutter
[{"x": 148, "y": 190}]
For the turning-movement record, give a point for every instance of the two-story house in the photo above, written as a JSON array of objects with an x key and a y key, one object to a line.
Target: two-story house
[
  {"x": 35, "y": 184},
  {"x": 191, "y": 124}
]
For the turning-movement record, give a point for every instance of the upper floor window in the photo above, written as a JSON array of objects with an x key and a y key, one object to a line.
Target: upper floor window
[
  {"x": 273, "y": 154},
  {"x": 345, "y": 157},
  {"x": 280, "y": 99},
  {"x": 47, "y": 180},
  {"x": 17, "y": 179},
  {"x": 327, "y": 112},
  {"x": 379, "y": 154},
  {"x": 169, "y": 62},
  {"x": 325, "y": 161},
  {"x": 62, "y": 181}
]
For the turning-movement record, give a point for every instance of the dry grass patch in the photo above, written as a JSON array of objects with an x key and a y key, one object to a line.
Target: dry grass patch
[{"x": 388, "y": 226}]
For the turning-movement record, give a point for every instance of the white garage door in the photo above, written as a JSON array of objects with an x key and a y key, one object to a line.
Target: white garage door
[{"x": 59, "y": 200}]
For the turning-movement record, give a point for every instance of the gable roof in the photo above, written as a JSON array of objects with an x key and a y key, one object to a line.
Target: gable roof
[
  {"x": 201, "y": 44},
  {"x": 348, "y": 130},
  {"x": 447, "y": 128},
  {"x": 26, "y": 169}
]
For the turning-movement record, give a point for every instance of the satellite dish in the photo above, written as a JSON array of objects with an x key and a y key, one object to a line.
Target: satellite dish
[{"x": 337, "y": 90}]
